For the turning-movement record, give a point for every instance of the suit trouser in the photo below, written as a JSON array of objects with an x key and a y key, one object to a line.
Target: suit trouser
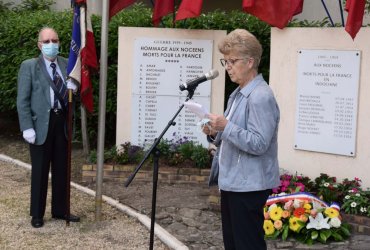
[
  {"x": 242, "y": 219},
  {"x": 53, "y": 152}
]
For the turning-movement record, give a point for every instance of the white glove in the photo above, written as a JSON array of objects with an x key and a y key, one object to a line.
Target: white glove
[
  {"x": 71, "y": 85},
  {"x": 29, "y": 135}
]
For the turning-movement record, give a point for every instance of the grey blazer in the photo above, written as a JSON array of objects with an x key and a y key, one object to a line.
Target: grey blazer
[
  {"x": 248, "y": 161},
  {"x": 33, "y": 97}
]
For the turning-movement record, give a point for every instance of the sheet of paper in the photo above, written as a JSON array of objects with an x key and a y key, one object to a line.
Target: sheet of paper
[{"x": 197, "y": 109}]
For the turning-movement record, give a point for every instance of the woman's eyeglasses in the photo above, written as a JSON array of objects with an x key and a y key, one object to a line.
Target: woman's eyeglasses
[
  {"x": 50, "y": 40},
  {"x": 231, "y": 62}
]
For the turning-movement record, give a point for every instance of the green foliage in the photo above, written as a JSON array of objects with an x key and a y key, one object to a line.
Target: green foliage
[
  {"x": 178, "y": 150},
  {"x": 18, "y": 41},
  {"x": 130, "y": 154},
  {"x": 201, "y": 157},
  {"x": 357, "y": 202},
  {"x": 305, "y": 23},
  {"x": 34, "y": 5},
  {"x": 327, "y": 188},
  {"x": 347, "y": 193},
  {"x": 4, "y": 7},
  {"x": 172, "y": 153},
  {"x": 127, "y": 154}
]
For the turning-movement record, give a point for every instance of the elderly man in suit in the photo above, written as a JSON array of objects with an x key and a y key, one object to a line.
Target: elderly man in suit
[{"x": 42, "y": 105}]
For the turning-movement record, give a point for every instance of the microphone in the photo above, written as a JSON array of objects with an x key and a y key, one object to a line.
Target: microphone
[{"x": 191, "y": 85}]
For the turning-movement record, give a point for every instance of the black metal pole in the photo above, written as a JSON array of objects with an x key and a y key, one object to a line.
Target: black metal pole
[
  {"x": 341, "y": 11},
  {"x": 69, "y": 157},
  {"x": 156, "y": 154},
  {"x": 156, "y": 142},
  {"x": 153, "y": 150},
  {"x": 327, "y": 12}
]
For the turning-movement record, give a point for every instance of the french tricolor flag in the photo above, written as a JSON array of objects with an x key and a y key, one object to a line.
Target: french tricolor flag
[{"x": 82, "y": 54}]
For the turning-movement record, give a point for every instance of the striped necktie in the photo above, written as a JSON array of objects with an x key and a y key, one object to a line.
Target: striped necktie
[{"x": 58, "y": 82}]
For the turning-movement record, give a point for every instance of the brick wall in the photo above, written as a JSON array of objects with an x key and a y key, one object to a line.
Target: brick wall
[{"x": 166, "y": 174}]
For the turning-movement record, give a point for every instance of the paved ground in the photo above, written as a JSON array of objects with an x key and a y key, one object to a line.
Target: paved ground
[{"x": 116, "y": 230}]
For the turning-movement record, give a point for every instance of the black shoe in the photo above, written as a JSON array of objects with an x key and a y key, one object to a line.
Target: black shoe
[
  {"x": 37, "y": 222},
  {"x": 72, "y": 218}
]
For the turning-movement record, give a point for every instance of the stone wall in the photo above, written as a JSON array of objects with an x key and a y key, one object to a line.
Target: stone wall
[{"x": 166, "y": 174}]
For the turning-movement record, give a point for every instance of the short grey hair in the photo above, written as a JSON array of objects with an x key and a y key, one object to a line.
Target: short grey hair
[
  {"x": 46, "y": 28},
  {"x": 243, "y": 42}
]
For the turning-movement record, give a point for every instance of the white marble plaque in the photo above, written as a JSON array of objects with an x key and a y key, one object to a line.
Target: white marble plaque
[
  {"x": 160, "y": 66},
  {"x": 327, "y": 99}
]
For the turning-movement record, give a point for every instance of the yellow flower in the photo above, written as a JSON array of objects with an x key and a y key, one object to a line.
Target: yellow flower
[
  {"x": 293, "y": 224},
  {"x": 275, "y": 213},
  {"x": 268, "y": 226},
  {"x": 307, "y": 207},
  {"x": 331, "y": 212}
]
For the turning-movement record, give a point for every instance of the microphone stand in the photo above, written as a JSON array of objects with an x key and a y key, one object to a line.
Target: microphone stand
[{"x": 156, "y": 153}]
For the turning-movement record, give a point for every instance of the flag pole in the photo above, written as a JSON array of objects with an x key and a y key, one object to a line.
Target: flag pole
[
  {"x": 102, "y": 107},
  {"x": 69, "y": 156}
]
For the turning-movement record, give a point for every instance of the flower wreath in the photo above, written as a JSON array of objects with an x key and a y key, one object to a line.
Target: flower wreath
[{"x": 304, "y": 217}]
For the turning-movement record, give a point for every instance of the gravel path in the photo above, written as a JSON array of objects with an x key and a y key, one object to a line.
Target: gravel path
[{"x": 115, "y": 231}]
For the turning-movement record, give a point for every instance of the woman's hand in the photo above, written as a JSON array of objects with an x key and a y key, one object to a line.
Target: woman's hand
[
  {"x": 206, "y": 128},
  {"x": 217, "y": 122}
]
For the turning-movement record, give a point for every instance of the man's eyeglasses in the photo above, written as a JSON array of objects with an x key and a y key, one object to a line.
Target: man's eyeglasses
[
  {"x": 231, "y": 62},
  {"x": 50, "y": 40}
]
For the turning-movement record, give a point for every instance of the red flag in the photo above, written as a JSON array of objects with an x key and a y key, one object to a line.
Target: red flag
[
  {"x": 189, "y": 9},
  {"x": 161, "y": 9},
  {"x": 273, "y": 12},
  {"x": 88, "y": 60},
  {"x": 356, "y": 10},
  {"x": 116, "y": 6}
]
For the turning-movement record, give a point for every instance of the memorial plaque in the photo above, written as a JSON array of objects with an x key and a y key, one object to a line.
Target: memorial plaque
[
  {"x": 160, "y": 66},
  {"x": 327, "y": 99}
]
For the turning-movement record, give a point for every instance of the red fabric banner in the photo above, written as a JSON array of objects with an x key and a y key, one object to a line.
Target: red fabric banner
[
  {"x": 274, "y": 12},
  {"x": 189, "y": 9},
  {"x": 161, "y": 9},
  {"x": 116, "y": 6},
  {"x": 88, "y": 60},
  {"x": 356, "y": 10}
]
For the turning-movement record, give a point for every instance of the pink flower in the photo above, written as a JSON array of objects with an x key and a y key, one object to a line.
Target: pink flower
[
  {"x": 300, "y": 185},
  {"x": 285, "y": 183},
  {"x": 285, "y": 214},
  {"x": 303, "y": 218},
  {"x": 266, "y": 215},
  {"x": 313, "y": 213},
  {"x": 278, "y": 224},
  {"x": 288, "y": 205}
]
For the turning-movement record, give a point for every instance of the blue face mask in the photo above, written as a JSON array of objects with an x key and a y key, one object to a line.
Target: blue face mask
[{"x": 50, "y": 50}]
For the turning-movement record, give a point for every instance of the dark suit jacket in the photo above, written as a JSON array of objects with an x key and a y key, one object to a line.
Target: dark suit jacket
[{"x": 33, "y": 98}]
